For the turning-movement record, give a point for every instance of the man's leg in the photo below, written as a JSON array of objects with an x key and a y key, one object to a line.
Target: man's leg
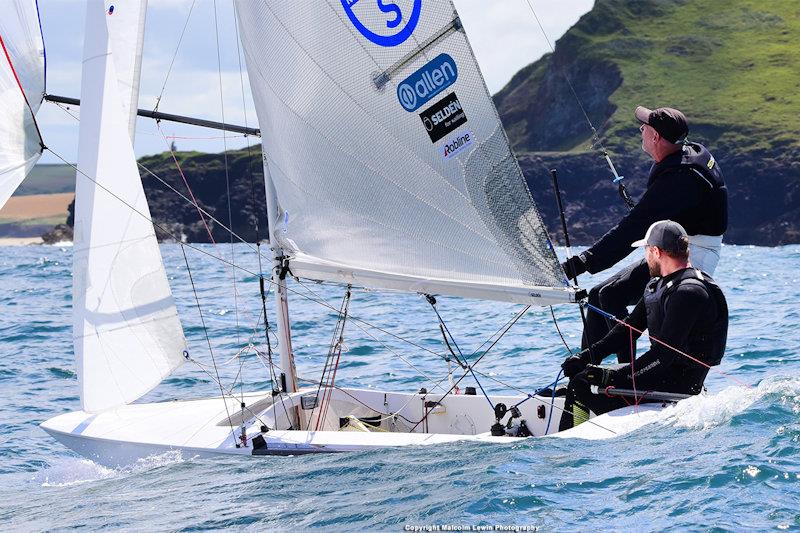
[
  {"x": 614, "y": 295},
  {"x": 580, "y": 400}
]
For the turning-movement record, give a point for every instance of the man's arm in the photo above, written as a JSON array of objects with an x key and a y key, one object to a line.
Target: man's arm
[
  {"x": 682, "y": 310},
  {"x": 665, "y": 199},
  {"x": 620, "y": 335}
]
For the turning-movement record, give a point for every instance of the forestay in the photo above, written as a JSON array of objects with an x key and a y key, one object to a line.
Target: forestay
[
  {"x": 127, "y": 333},
  {"x": 22, "y": 77},
  {"x": 387, "y": 155}
]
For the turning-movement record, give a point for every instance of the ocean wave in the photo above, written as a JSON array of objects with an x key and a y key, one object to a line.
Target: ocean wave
[
  {"x": 705, "y": 411},
  {"x": 69, "y": 471}
]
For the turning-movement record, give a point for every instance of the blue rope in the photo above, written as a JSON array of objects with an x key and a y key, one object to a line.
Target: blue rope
[
  {"x": 603, "y": 313},
  {"x": 552, "y": 398},
  {"x": 551, "y": 385},
  {"x": 552, "y": 401}
]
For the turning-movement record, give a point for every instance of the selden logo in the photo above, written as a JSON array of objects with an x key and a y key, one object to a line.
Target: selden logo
[
  {"x": 443, "y": 117},
  {"x": 419, "y": 88},
  {"x": 389, "y": 23},
  {"x": 457, "y": 144}
]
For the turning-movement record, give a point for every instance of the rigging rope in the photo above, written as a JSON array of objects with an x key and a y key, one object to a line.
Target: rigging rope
[
  {"x": 174, "y": 55},
  {"x": 357, "y": 322},
  {"x": 464, "y": 365},
  {"x": 191, "y": 202},
  {"x": 208, "y": 340},
  {"x": 558, "y": 329},
  {"x": 596, "y": 140},
  {"x": 328, "y": 378},
  {"x": 186, "y": 183},
  {"x": 613, "y": 318},
  {"x": 227, "y": 173},
  {"x": 505, "y": 330}
]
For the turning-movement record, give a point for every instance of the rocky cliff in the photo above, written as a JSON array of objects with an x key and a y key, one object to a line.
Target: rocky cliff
[{"x": 731, "y": 66}]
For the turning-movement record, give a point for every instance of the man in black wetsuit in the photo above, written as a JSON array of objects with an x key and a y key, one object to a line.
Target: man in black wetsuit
[
  {"x": 682, "y": 307},
  {"x": 685, "y": 185}
]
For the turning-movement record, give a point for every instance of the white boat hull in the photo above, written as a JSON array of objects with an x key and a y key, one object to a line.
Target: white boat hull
[{"x": 203, "y": 428}]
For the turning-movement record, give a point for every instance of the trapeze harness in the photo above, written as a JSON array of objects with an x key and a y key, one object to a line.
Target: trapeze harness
[{"x": 708, "y": 346}]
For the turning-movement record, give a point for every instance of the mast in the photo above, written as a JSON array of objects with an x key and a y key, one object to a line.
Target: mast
[{"x": 288, "y": 377}]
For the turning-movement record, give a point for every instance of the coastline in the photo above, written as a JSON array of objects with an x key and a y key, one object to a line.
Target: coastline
[{"x": 20, "y": 241}]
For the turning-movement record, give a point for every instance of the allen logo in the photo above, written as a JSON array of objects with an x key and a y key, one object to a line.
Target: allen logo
[
  {"x": 390, "y": 22},
  {"x": 419, "y": 88}
]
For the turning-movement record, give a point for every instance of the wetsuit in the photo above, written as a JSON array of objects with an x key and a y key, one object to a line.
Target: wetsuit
[
  {"x": 686, "y": 310},
  {"x": 686, "y": 187}
]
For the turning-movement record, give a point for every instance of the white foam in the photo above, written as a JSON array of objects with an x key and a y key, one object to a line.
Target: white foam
[
  {"x": 68, "y": 471},
  {"x": 712, "y": 410}
]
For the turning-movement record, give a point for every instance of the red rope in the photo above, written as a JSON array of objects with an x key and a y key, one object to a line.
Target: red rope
[
  {"x": 699, "y": 362},
  {"x": 186, "y": 182}
]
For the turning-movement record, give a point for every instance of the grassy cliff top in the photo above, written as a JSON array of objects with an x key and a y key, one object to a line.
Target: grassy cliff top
[{"x": 732, "y": 66}]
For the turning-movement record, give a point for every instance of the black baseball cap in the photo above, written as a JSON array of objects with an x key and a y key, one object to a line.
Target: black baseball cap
[
  {"x": 667, "y": 235},
  {"x": 670, "y": 123}
]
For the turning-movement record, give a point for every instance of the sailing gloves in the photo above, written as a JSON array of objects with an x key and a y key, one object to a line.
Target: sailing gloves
[
  {"x": 576, "y": 265},
  {"x": 574, "y": 364},
  {"x": 600, "y": 376}
]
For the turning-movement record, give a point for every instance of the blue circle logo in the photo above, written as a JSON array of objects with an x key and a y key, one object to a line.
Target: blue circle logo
[
  {"x": 395, "y": 26},
  {"x": 407, "y": 96}
]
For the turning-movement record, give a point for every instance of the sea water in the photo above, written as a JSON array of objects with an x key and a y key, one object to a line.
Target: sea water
[{"x": 727, "y": 461}]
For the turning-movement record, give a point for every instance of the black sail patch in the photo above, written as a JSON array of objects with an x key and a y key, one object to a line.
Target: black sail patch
[{"x": 443, "y": 117}]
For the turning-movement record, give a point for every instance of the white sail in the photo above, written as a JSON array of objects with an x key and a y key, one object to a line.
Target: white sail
[
  {"x": 126, "y": 329},
  {"x": 125, "y": 20},
  {"x": 387, "y": 155},
  {"x": 22, "y": 74}
]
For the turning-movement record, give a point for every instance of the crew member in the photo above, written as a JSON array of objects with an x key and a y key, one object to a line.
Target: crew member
[
  {"x": 685, "y": 185},
  {"x": 682, "y": 307}
]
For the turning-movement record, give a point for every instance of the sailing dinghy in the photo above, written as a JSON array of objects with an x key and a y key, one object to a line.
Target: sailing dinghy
[{"x": 386, "y": 167}]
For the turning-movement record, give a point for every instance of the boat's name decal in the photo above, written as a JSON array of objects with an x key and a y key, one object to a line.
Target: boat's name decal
[
  {"x": 443, "y": 117},
  {"x": 384, "y": 22},
  {"x": 420, "y": 88}
]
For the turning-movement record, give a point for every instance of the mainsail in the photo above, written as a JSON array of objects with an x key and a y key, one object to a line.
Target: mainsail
[
  {"x": 126, "y": 329},
  {"x": 387, "y": 156},
  {"x": 22, "y": 75}
]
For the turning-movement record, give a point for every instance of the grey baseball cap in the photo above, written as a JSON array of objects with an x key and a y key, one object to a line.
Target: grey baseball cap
[{"x": 667, "y": 235}]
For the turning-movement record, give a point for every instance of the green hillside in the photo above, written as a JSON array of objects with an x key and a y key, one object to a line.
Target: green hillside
[
  {"x": 732, "y": 66},
  {"x": 48, "y": 179}
]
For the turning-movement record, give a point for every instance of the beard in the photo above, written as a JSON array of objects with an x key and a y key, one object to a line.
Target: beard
[{"x": 655, "y": 268}]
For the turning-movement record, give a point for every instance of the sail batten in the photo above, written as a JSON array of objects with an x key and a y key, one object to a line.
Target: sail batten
[
  {"x": 22, "y": 75},
  {"x": 126, "y": 330},
  {"x": 385, "y": 149}
]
